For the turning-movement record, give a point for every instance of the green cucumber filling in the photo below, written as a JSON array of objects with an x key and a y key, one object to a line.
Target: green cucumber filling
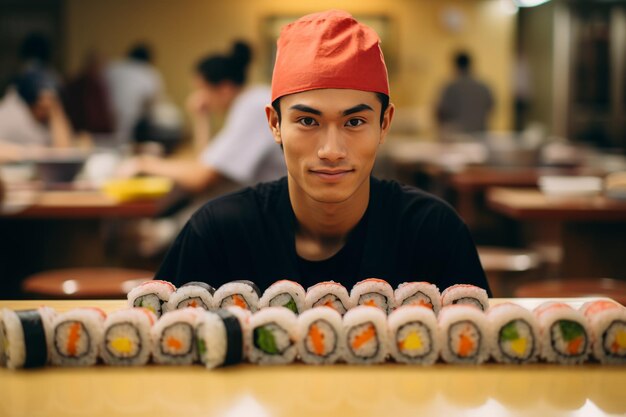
[
  {"x": 509, "y": 332},
  {"x": 291, "y": 305},
  {"x": 265, "y": 341}
]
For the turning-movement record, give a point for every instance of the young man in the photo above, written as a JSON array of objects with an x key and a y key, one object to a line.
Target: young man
[{"x": 328, "y": 219}]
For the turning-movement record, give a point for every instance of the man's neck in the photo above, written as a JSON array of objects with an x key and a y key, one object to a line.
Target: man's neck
[{"x": 322, "y": 228}]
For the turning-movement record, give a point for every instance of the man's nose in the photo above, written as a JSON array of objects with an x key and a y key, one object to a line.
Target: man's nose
[{"x": 332, "y": 147}]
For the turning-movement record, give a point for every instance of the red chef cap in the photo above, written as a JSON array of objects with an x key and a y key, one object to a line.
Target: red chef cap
[{"x": 328, "y": 50}]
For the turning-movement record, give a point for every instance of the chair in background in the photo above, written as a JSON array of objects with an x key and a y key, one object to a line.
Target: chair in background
[
  {"x": 574, "y": 287},
  {"x": 85, "y": 283},
  {"x": 502, "y": 265}
]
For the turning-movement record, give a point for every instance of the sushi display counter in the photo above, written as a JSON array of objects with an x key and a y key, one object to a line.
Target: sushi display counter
[{"x": 302, "y": 390}]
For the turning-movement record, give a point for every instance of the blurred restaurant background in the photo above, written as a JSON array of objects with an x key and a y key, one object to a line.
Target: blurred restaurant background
[{"x": 540, "y": 178}]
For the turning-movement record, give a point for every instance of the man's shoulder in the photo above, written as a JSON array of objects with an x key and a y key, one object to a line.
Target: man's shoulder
[
  {"x": 409, "y": 200},
  {"x": 247, "y": 204}
]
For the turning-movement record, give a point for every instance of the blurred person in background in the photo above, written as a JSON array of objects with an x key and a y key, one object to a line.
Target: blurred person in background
[
  {"x": 134, "y": 84},
  {"x": 87, "y": 97},
  {"x": 243, "y": 152},
  {"x": 31, "y": 116},
  {"x": 465, "y": 102}
]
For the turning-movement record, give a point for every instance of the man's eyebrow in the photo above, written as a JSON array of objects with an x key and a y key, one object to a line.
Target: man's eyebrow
[
  {"x": 356, "y": 109},
  {"x": 306, "y": 109}
]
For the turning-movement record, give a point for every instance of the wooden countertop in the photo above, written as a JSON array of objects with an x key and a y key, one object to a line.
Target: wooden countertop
[{"x": 300, "y": 390}]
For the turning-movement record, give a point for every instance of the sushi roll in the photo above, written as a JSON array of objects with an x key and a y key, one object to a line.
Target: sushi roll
[
  {"x": 219, "y": 338},
  {"x": 464, "y": 334},
  {"x": 284, "y": 293},
  {"x": 243, "y": 316},
  {"x": 564, "y": 333},
  {"x": 24, "y": 337},
  {"x": 77, "y": 337},
  {"x": 273, "y": 336},
  {"x": 152, "y": 295},
  {"x": 365, "y": 331},
  {"x": 329, "y": 294},
  {"x": 173, "y": 337},
  {"x": 418, "y": 293},
  {"x": 241, "y": 293},
  {"x": 607, "y": 323},
  {"x": 320, "y": 336},
  {"x": 192, "y": 294},
  {"x": 413, "y": 335},
  {"x": 373, "y": 292},
  {"x": 514, "y": 336},
  {"x": 126, "y": 340},
  {"x": 465, "y": 294}
]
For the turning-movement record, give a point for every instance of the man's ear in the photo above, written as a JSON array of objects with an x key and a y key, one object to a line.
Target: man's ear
[
  {"x": 386, "y": 124},
  {"x": 274, "y": 123}
]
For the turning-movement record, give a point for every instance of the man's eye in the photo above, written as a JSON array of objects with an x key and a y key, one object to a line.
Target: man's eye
[
  {"x": 307, "y": 121},
  {"x": 354, "y": 122}
]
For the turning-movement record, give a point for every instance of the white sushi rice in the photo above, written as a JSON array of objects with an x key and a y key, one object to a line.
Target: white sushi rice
[
  {"x": 418, "y": 293},
  {"x": 514, "y": 336},
  {"x": 284, "y": 293},
  {"x": 465, "y": 294},
  {"x": 365, "y": 332},
  {"x": 225, "y": 296},
  {"x": 607, "y": 324},
  {"x": 328, "y": 324},
  {"x": 556, "y": 345},
  {"x": 329, "y": 294},
  {"x": 190, "y": 296},
  {"x": 77, "y": 337},
  {"x": 173, "y": 337},
  {"x": 464, "y": 334},
  {"x": 152, "y": 295},
  {"x": 243, "y": 316},
  {"x": 373, "y": 292},
  {"x": 211, "y": 339},
  {"x": 126, "y": 338},
  {"x": 274, "y": 334},
  {"x": 413, "y": 336}
]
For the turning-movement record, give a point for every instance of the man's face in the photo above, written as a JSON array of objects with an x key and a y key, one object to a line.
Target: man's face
[{"x": 330, "y": 138}]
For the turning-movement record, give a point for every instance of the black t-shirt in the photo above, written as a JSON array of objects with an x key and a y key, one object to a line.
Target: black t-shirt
[{"x": 405, "y": 235}]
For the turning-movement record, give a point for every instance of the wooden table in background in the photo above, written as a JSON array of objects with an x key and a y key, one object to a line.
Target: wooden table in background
[
  {"x": 301, "y": 390},
  {"x": 592, "y": 230}
]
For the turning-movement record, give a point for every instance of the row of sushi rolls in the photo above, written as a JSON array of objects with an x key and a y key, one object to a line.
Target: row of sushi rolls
[{"x": 326, "y": 324}]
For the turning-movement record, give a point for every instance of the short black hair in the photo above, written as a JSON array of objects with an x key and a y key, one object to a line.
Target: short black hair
[
  {"x": 463, "y": 61},
  {"x": 233, "y": 67},
  {"x": 35, "y": 46},
  {"x": 140, "y": 52},
  {"x": 383, "y": 98}
]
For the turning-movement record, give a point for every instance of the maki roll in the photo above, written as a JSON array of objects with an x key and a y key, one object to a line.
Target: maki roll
[
  {"x": 219, "y": 338},
  {"x": 465, "y": 294},
  {"x": 413, "y": 335},
  {"x": 373, "y": 292},
  {"x": 607, "y": 323},
  {"x": 514, "y": 334},
  {"x": 152, "y": 295},
  {"x": 320, "y": 336},
  {"x": 192, "y": 294},
  {"x": 77, "y": 337},
  {"x": 464, "y": 334},
  {"x": 418, "y": 293},
  {"x": 24, "y": 337},
  {"x": 284, "y": 293},
  {"x": 330, "y": 294},
  {"x": 273, "y": 336},
  {"x": 241, "y": 293},
  {"x": 564, "y": 334},
  {"x": 173, "y": 337},
  {"x": 126, "y": 340},
  {"x": 365, "y": 331}
]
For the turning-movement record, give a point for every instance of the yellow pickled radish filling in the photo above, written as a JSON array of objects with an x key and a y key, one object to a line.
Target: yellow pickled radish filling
[
  {"x": 620, "y": 339},
  {"x": 516, "y": 338},
  {"x": 519, "y": 346},
  {"x": 615, "y": 339},
  {"x": 412, "y": 342},
  {"x": 122, "y": 345}
]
